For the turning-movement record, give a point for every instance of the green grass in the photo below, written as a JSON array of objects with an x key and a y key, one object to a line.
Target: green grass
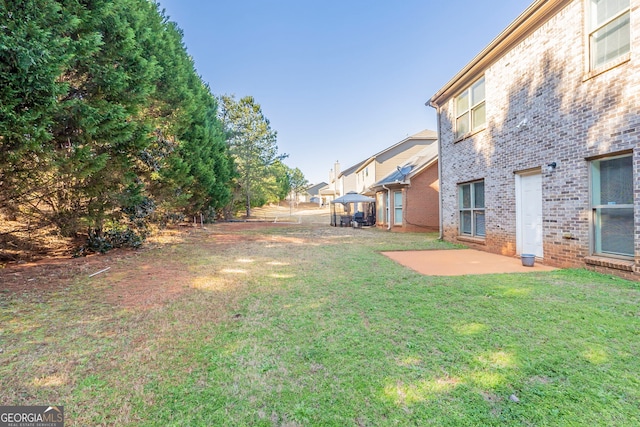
[{"x": 312, "y": 326}]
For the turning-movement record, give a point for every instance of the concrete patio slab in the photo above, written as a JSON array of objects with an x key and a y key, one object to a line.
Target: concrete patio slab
[{"x": 459, "y": 262}]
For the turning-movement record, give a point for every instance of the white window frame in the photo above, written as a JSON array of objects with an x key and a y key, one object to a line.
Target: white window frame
[
  {"x": 474, "y": 105},
  {"x": 475, "y": 211},
  {"x": 593, "y": 27},
  {"x": 397, "y": 218},
  {"x": 596, "y": 205}
]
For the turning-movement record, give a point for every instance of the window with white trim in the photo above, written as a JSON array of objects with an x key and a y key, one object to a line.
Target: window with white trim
[
  {"x": 397, "y": 207},
  {"x": 609, "y": 31},
  {"x": 612, "y": 206},
  {"x": 471, "y": 202},
  {"x": 471, "y": 113}
]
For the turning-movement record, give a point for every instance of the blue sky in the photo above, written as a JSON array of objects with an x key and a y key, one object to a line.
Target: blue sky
[{"x": 338, "y": 79}]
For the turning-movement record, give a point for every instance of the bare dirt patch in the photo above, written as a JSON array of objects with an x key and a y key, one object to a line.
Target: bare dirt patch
[
  {"x": 148, "y": 285},
  {"x": 246, "y": 225},
  {"x": 138, "y": 279},
  {"x": 53, "y": 273}
]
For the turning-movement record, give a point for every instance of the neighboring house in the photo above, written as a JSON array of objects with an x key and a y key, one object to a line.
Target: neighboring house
[
  {"x": 383, "y": 163},
  {"x": 347, "y": 178},
  {"x": 313, "y": 193},
  {"x": 331, "y": 191},
  {"x": 408, "y": 198},
  {"x": 539, "y": 139}
]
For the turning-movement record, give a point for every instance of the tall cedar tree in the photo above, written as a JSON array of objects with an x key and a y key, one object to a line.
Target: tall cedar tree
[
  {"x": 101, "y": 112},
  {"x": 190, "y": 162},
  {"x": 33, "y": 54},
  {"x": 98, "y": 131}
]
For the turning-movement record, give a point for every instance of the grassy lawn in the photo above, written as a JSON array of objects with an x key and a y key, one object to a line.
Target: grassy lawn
[{"x": 309, "y": 325}]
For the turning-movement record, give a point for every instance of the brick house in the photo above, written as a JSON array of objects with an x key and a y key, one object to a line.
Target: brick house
[
  {"x": 539, "y": 139},
  {"x": 407, "y": 199}
]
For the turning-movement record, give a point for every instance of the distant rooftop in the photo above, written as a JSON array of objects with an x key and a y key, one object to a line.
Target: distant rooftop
[
  {"x": 425, "y": 134},
  {"x": 422, "y": 158}
]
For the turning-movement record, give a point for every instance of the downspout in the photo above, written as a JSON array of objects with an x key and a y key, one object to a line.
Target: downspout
[
  {"x": 389, "y": 199},
  {"x": 440, "y": 219}
]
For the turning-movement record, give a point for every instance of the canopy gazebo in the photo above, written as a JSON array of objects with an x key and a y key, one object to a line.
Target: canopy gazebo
[{"x": 353, "y": 208}]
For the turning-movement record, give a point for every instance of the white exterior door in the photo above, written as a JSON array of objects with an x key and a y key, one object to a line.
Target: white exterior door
[{"x": 529, "y": 214}]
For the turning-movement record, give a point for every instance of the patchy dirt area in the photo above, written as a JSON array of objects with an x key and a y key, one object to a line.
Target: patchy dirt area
[
  {"x": 149, "y": 285},
  {"x": 143, "y": 283},
  {"x": 54, "y": 272},
  {"x": 136, "y": 280}
]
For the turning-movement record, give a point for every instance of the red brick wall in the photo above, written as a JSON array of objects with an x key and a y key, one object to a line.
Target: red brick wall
[
  {"x": 420, "y": 208},
  {"x": 421, "y": 201}
]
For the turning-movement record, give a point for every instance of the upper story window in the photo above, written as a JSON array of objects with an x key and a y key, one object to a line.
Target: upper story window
[
  {"x": 609, "y": 36},
  {"x": 471, "y": 113}
]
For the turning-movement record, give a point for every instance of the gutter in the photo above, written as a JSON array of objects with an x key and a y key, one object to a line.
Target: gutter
[{"x": 440, "y": 198}]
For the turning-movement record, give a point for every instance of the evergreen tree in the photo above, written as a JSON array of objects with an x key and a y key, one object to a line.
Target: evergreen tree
[
  {"x": 104, "y": 120},
  {"x": 188, "y": 161},
  {"x": 34, "y": 51},
  {"x": 252, "y": 144},
  {"x": 98, "y": 131},
  {"x": 297, "y": 182},
  {"x": 282, "y": 182}
]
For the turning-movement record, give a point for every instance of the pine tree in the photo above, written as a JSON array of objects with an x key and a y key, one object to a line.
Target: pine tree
[{"x": 252, "y": 144}]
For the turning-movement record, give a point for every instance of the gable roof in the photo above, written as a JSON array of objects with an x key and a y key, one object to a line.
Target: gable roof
[
  {"x": 416, "y": 164},
  {"x": 314, "y": 190},
  {"x": 530, "y": 20},
  {"x": 351, "y": 169},
  {"x": 425, "y": 134}
]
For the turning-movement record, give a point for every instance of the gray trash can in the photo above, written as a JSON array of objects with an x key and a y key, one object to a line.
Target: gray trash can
[{"x": 528, "y": 259}]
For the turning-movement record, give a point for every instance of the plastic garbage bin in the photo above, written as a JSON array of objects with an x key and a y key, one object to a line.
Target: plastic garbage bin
[{"x": 528, "y": 259}]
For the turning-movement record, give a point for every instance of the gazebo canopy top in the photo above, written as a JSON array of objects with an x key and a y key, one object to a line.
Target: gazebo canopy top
[{"x": 353, "y": 197}]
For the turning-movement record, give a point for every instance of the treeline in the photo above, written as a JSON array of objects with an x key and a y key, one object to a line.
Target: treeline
[{"x": 105, "y": 123}]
